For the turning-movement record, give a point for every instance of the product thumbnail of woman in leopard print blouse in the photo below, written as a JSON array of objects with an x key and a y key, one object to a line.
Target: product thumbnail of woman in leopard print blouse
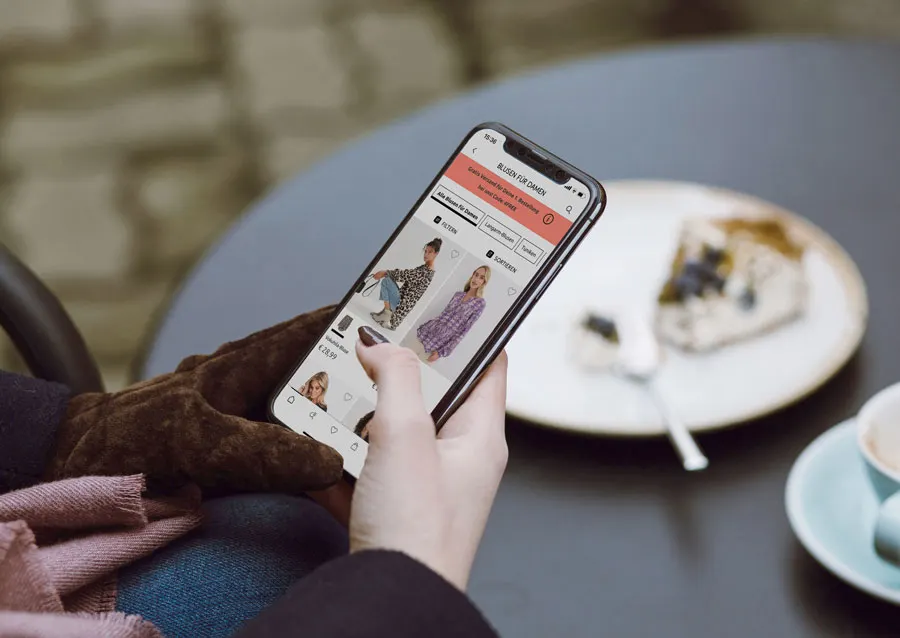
[{"x": 401, "y": 288}]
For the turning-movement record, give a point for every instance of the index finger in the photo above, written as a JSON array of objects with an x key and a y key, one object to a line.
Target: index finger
[{"x": 400, "y": 409}]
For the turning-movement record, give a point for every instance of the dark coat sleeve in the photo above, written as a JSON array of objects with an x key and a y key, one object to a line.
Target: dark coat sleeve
[
  {"x": 30, "y": 413},
  {"x": 371, "y": 593}
]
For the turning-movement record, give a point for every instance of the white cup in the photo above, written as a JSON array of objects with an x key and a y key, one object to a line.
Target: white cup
[{"x": 878, "y": 439}]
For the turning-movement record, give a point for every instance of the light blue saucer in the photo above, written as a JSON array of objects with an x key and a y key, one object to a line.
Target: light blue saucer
[{"x": 832, "y": 509}]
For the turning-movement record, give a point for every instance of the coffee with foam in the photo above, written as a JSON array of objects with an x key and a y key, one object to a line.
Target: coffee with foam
[
  {"x": 883, "y": 443},
  {"x": 880, "y": 430}
]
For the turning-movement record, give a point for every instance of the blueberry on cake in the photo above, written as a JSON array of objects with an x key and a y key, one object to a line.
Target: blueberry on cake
[
  {"x": 731, "y": 279},
  {"x": 596, "y": 341}
]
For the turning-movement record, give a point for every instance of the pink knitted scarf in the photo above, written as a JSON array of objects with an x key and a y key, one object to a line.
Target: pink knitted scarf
[{"x": 61, "y": 544}]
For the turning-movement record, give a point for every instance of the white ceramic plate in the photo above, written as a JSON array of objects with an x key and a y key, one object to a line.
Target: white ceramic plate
[
  {"x": 620, "y": 268},
  {"x": 832, "y": 510}
]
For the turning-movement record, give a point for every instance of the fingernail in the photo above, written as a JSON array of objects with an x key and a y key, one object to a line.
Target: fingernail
[{"x": 370, "y": 337}]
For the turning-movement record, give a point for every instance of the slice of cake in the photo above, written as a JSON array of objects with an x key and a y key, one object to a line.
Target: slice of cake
[{"x": 731, "y": 279}]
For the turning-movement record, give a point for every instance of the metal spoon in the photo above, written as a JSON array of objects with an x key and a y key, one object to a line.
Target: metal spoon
[{"x": 639, "y": 359}]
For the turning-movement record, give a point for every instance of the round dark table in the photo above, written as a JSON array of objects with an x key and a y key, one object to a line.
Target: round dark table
[{"x": 600, "y": 537}]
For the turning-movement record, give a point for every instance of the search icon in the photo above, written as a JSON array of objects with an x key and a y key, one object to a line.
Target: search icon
[{"x": 569, "y": 208}]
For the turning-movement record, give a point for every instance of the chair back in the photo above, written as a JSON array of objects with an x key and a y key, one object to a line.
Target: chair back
[{"x": 41, "y": 329}]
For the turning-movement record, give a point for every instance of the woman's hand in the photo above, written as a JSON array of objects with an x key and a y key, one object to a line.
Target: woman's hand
[
  {"x": 381, "y": 274},
  {"x": 434, "y": 356},
  {"x": 423, "y": 495}
]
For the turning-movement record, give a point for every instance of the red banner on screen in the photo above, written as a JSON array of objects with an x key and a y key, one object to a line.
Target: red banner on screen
[{"x": 514, "y": 202}]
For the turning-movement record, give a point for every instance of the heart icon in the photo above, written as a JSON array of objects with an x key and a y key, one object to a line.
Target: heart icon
[
  {"x": 355, "y": 446},
  {"x": 334, "y": 429},
  {"x": 511, "y": 291},
  {"x": 347, "y": 396},
  {"x": 290, "y": 399},
  {"x": 454, "y": 254}
]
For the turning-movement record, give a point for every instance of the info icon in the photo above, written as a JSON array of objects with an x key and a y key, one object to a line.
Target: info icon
[{"x": 490, "y": 254}]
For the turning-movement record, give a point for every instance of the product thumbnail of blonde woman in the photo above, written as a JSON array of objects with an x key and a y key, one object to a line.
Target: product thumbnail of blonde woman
[
  {"x": 398, "y": 301},
  {"x": 439, "y": 336},
  {"x": 315, "y": 389}
]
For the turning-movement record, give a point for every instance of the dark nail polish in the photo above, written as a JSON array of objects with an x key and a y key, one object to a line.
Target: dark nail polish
[{"x": 370, "y": 337}]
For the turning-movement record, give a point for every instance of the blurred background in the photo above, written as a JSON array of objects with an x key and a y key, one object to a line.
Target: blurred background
[{"x": 133, "y": 132}]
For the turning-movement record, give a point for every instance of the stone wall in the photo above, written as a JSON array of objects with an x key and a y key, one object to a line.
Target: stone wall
[{"x": 132, "y": 132}]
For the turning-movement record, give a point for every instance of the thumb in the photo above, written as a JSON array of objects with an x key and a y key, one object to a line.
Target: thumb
[{"x": 400, "y": 414}]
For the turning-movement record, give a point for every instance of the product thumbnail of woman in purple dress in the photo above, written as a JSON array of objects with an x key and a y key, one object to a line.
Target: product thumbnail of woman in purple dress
[{"x": 439, "y": 336}]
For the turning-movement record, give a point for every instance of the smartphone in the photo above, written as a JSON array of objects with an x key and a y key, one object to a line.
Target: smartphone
[{"x": 452, "y": 283}]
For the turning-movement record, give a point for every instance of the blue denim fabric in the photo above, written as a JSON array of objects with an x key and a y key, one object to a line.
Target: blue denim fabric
[
  {"x": 245, "y": 555},
  {"x": 390, "y": 292}
]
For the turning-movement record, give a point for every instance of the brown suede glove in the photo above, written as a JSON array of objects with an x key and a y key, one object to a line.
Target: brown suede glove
[{"x": 200, "y": 425}]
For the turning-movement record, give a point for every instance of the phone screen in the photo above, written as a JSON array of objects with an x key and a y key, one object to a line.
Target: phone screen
[{"x": 444, "y": 283}]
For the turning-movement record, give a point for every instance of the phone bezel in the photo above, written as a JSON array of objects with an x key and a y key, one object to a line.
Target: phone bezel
[{"x": 501, "y": 334}]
